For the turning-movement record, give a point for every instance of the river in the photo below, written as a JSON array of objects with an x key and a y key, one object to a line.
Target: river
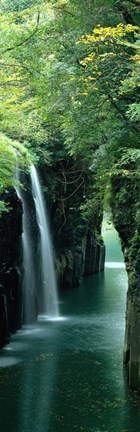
[{"x": 68, "y": 375}]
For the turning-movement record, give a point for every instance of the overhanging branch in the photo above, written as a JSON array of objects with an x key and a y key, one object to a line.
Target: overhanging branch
[{"x": 25, "y": 40}]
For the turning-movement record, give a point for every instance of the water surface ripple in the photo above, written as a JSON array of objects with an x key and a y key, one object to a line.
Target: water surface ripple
[{"x": 68, "y": 375}]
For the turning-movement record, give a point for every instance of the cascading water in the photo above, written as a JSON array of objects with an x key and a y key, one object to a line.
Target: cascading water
[
  {"x": 28, "y": 271},
  {"x": 49, "y": 288}
]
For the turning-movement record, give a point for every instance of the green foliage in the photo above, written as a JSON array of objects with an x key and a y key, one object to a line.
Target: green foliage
[
  {"x": 12, "y": 155},
  {"x": 15, "y": 5},
  {"x": 125, "y": 204},
  {"x": 62, "y": 98}
]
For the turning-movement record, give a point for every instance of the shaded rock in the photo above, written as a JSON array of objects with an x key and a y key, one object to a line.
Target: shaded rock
[
  {"x": 4, "y": 325},
  {"x": 60, "y": 263},
  {"x": 85, "y": 259},
  {"x": 94, "y": 256},
  {"x": 79, "y": 259},
  {"x": 68, "y": 273},
  {"x": 125, "y": 205},
  {"x": 10, "y": 261}
]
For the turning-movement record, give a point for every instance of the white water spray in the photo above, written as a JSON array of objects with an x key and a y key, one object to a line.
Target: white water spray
[
  {"x": 49, "y": 288},
  {"x": 28, "y": 274}
]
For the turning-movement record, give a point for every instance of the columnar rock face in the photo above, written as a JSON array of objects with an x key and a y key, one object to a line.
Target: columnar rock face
[
  {"x": 94, "y": 256},
  {"x": 4, "y": 324},
  {"x": 81, "y": 260},
  {"x": 126, "y": 214},
  {"x": 132, "y": 341},
  {"x": 132, "y": 333},
  {"x": 10, "y": 257},
  {"x": 78, "y": 245}
]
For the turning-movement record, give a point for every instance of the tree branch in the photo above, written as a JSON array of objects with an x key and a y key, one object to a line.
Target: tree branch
[
  {"x": 19, "y": 65},
  {"x": 64, "y": 10},
  {"x": 122, "y": 114},
  {"x": 136, "y": 3},
  {"x": 16, "y": 65},
  {"x": 128, "y": 18},
  {"x": 25, "y": 40}
]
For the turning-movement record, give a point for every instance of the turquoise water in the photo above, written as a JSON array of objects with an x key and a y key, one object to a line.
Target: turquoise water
[{"x": 67, "y": 375}]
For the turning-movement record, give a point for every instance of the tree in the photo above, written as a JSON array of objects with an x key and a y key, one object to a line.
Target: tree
[
  {"x": 13, "y": 156},
  {"x": 60, "y": 85}
]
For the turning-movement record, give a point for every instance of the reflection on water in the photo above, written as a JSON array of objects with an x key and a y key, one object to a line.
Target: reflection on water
[
  {"x": 43, "y": 317},
  {"x": 15, "y": 346},
  {"x": 8, "y": 361},
  {"x": 71, "y": 376},
  {"x": 28, "y": 330},
  {"x": 113, "y": 264}
]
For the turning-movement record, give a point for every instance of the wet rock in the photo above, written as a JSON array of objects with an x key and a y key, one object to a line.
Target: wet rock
[
  {"x": 78, "y": 271},
  {"x": 94, "y": 256},
  {"x": 60, "y": 264},
  {"x": 10, "y": 260},
  {"x": 85, "y": 259},
  {"x": 4, "y": 325},
  {"x": 125, "y": 205},
  {"x": 68, "y": 273}
]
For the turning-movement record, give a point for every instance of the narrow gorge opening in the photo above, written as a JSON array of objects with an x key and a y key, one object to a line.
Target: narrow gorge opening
[
  {"x": 74, "y": 366},
  {"x": 70, "y": 116}
]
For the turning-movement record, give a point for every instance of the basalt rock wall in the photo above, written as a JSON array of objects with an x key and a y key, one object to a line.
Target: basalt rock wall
[
  {"x": 79, "y": 248},
  {"x": 126, "y": 214},
  {"x": 10, "y": 260},
  {"x": 79, "y": 261}
]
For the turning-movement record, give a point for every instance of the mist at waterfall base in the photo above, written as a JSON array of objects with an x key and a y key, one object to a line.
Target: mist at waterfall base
[
  {"x": 38, "y": 275},
  {"x": 68, "y": 376}
]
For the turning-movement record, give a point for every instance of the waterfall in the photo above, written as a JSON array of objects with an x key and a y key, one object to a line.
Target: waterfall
[
  {"x": 48, "y": 281},
  {"x": 29, "y": 286}
]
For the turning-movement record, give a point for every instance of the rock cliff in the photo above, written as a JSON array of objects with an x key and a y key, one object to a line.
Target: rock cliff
[
  {"x": 126, "y": 215},
  {"x": 79, "y": 248},
  {"x": 79, "y": 261},
  {"x": 10, "y": 257}
]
